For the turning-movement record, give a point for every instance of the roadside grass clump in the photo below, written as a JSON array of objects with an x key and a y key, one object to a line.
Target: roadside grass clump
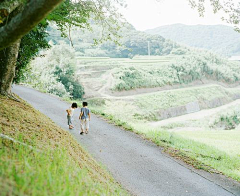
[
  {"x": 39, "y": 158},
  {"x": 227, "y": 120}
]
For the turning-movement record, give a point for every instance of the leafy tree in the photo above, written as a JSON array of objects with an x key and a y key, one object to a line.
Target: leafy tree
[{"x": 30, "y": 46}]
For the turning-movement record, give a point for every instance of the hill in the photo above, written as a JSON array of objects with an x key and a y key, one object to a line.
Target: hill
[
  {"x": 218, "y": 38},
  {"x": 132, "y": 43},
  {"x": 39, "y": 158}
]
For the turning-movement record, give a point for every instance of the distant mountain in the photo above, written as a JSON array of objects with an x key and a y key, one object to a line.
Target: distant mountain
[{"x": 218, "y": 38}]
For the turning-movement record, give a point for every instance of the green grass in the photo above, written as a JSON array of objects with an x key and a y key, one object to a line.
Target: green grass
[
  {"x": 203, "y": 155},
  {"x": 45, "y": 160},
  {"x": 224, "y": 140}
]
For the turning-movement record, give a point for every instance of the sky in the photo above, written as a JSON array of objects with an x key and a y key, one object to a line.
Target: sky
[{"x": 148, "y": 14}]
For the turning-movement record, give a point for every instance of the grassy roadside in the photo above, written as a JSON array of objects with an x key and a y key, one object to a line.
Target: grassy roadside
[
  {"x": 195, "y": 153},
  {"x": 39, "y": 158}
]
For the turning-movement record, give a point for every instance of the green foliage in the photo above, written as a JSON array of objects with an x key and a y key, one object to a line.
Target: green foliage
[
  {"x": 71, "y": 85},
  {"x": 30, "y": 46},
  {"x": 181, "y": 70},
  {"x": 227, "y": 120},
  {"x": 55, "y": 73},
  {"x": 71, "y": 14}
]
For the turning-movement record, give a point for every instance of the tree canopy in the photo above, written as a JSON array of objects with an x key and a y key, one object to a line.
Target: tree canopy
[
  {"x": 229, "y": 7},
  {"x": 69, "y": 13}
]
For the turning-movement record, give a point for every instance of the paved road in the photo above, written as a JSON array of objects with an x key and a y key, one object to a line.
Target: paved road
[{"x": 140, "y": 166}]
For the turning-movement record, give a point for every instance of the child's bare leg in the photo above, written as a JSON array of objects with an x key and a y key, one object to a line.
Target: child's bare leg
[{"x": 81, "y": 132}]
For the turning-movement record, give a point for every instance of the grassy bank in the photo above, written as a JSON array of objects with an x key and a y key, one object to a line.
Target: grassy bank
[{"x": 39, "y": 158}]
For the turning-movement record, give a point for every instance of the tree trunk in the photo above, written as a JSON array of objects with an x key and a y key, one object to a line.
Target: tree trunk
[
  {"x": 33, "y": 13},
  {"x": 8, "y": 59}
]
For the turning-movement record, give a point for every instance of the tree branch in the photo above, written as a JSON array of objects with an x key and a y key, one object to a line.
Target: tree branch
[
  {"x": 21, "y": 24},
  {"x": 6, "y": 6}
]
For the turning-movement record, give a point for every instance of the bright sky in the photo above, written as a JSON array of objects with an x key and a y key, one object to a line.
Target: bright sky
[{"x": 147, "y": 14}]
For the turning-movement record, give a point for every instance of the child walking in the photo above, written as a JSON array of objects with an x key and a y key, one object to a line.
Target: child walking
[
  {"x": 70, "y": 112},
  {"x": 85, "y": 118}
]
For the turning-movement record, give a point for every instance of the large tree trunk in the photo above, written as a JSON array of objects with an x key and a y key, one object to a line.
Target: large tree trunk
[
  {"x": 33, "y": 13},
  {"x": 8, "y": 59}
]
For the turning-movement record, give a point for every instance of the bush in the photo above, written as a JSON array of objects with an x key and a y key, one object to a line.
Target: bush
[{"x": 227, "y": 121}]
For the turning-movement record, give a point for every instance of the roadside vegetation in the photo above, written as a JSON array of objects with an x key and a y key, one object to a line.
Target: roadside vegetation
[{"x": 39, "y": 158}]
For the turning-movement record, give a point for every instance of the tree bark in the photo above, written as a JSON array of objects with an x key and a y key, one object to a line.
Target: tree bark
[
  {"x": 6, "y": 6},
  {"x": 8, "y": 59},
  {"x": 21, "y": 24}
]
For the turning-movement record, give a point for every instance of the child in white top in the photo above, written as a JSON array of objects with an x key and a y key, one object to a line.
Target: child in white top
[{"x": 70, "y": 112}]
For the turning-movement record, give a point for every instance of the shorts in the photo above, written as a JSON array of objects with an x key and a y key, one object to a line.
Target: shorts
[
  {"x": 69, "y": 119},
  {"x": 85, "y": 123}
]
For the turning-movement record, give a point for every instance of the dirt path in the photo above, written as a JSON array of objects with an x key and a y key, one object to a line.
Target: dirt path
[{"x": 140, "y": 166}]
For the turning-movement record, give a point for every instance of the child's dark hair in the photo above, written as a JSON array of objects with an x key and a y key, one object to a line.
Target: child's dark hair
[
  {"x": 74, "y": 105},
  {"x": 84, "y": 104}
]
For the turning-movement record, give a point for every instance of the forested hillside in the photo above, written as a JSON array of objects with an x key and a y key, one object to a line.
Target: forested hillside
[
  {"x": 218, "y": 38},
  {"x": 131, "y": 43}
]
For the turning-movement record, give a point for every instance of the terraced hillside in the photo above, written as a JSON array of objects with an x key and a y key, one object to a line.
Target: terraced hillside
[{"x": 142, "y": 74}]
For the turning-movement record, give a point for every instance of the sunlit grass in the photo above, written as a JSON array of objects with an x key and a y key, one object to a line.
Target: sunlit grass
[{"x": 224, "y": 140}]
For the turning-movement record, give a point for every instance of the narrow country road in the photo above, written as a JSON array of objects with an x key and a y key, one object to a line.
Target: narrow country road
[{"x": 140, "y": 166}]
